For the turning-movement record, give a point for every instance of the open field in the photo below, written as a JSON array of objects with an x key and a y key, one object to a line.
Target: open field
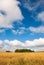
[{"x": 11, "y": 58}]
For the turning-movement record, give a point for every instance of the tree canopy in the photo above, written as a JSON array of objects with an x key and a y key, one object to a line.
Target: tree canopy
[{"x": 24, "y": 50}]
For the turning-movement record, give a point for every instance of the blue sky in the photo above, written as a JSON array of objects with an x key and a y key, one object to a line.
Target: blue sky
[{"x": 22, "y": 20}]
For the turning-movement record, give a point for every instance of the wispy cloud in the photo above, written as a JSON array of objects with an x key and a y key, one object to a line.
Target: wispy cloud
[
  {"x": 20, "y": 31},
  {"x": 33, "y": 30},
  {"x": 36, "y": 7},
  {"x": 33, "y": 5},
  {"x": 39, "y": 29}
]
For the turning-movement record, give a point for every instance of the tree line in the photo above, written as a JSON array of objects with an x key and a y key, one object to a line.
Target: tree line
[{"x": 22, "y": 50}]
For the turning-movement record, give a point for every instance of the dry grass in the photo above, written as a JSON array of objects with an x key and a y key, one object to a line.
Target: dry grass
[{"x": 34, "y": 58}]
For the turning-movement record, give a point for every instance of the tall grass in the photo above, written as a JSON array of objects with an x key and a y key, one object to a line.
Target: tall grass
[{"x": 11, "y": 58}]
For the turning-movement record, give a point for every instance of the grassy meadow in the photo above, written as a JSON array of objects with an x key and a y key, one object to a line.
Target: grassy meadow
[{"x": 12, "y": 58}]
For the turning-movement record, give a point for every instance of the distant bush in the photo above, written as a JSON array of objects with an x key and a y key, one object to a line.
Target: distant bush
[
  {"x": 23, "y": 50},
  {"x": 8, "y": 51}
]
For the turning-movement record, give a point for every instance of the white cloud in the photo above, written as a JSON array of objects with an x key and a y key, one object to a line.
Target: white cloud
[
  {"x": 11, "y": 45},
  {"x": 37, "y": 29},
  {"x": 1, "y": 42},
  {"x": 14, "y": 42},
  {"x": 40, "y": 16},
  {"x": 13, "y": 13},
  {"x": 35, "y": 42},
  {"x": 1, "y": 45}
]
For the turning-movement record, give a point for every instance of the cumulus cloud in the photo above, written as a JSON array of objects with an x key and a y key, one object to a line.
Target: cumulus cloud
[
  {"x": 37, "y": 29},
  {"x": 1, "y": 42},
  {"x": 7, "y": 45},
  {"x": 9, "y": 12},
  {"x": 14, "y": 42},
  {"x": 11, "y": 45},
  {"x": 1, "y": 45},
  {"x": 35, "y": 42}
]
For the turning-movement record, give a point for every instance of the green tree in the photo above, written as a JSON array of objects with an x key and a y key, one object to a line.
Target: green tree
[{"x": 24, "y": 50}]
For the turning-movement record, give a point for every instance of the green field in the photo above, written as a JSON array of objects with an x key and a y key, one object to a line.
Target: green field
[{"x": 12, "y": 58}]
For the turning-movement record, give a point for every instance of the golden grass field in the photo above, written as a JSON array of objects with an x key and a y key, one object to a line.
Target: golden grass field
[{"x": 12, "y": 58}]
